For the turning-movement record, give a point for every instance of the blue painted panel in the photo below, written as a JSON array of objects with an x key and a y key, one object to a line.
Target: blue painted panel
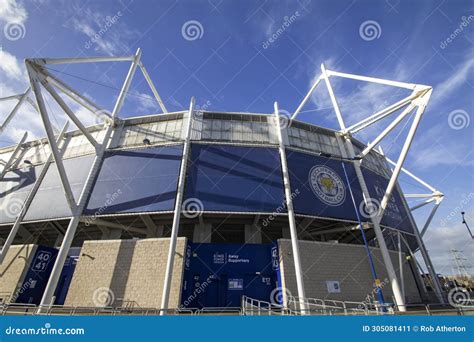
[
  {"x": 235, "y": 178},
  {"x": 14, "y": 187},
  {"x": 50, "y": 201},
  {"x": 36, "y": 278},
  {"x": 217, "y": 275},
  {"x": 66, "y": 275},
  {"x": 136, "y": 181},
  {"x": 395, "y": 215},
  {"x": 320, "y": 186},
  {"x": 323, "y": 191}
]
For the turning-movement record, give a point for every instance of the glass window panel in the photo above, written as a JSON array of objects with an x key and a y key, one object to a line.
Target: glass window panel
[
  {"x": 216, "y": 135},
  {"x": 236, "y": 135}
]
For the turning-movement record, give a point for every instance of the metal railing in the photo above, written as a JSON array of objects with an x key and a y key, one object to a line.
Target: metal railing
[
  {"x": 32, "y": 309},
  {"x": 249, "y": 307},
  {"x": 329, "y": 307},
  {"x": 316, "y": 306},
  {"x": 255, "y": 307}
]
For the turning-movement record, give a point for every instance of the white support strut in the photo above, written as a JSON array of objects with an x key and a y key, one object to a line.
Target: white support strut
[
  {"x": 401, "y": 159},
  {"x": 40, "y": 78},
  {"x": 381, "y": 114},
  {"x": 291, "y": 214},
  {"x": 30, "y": 197},
  {"x": 10, "y": 162},
  {"x": 21, "y": 99},
  {"x": 386, "y": 131},
  {"x": 177, "y": 211},
  {"x": 400, "y": 301},
  {"x": 35, "y": 85},
  {"x": 306, "y": 98},
  {"x": 153, "y": 88},
  {"x": 48, "y": 294}
]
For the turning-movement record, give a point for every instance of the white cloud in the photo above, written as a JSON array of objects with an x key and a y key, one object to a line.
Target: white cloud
[
  {"x": 441, "y": 240},
  {"x": 105, "y": 32},
  {"x": 12, "y": 11},
  {"x": 11, "y": 66},
  {"x": 459, "y": 77},
  {"x": 146, "y": 103},
  {"x": 435, "y": 148},
  {"x": 13, "y": 81},
  {"x": 26, "y": 120}
]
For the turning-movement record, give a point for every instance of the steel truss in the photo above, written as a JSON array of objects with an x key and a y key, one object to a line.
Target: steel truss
[
  {"x": 41, "y": 79},
  {"x": 416, "y": 102}
]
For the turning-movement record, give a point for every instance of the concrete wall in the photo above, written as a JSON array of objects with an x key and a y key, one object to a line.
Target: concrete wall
[
  {"x": 113, "y": 271},
  {"x": 13, "y": 270},
  {"x": 348, "y": 264}
]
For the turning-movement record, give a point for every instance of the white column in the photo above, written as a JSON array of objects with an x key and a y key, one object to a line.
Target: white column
[
  {"x": 378, "y": 231},
  {"x": 72, "y": 227},
  {"x": 375, "y": 220},
  {"x": 177, "y": 211},
  {"x": 291, "y": 215}
]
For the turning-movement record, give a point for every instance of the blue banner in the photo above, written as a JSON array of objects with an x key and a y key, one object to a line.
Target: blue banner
[
  {"x": 136, "y": 181},
  {"x": 322, "y": 190},
  {"x": 395, "y": 215},
  {"x": 235, "y": 178},
  {"x": 237, "y": 328},
  {"x": 320, "y": 186}
]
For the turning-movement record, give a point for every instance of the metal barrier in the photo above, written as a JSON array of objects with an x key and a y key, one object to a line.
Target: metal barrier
[
  {"x": 219, "y": 311},
  {"x": 255, "y": 307},
  {"x": 249, "y": 307},
  {"x": 31, "y": 309},
  {"x": 316, "y": 306}
]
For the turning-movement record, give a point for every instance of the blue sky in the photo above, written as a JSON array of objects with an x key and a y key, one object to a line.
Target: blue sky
[{"x": 231, "y": 65}]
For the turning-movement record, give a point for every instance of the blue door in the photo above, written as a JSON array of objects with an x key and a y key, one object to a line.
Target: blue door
[{"x": 259, "y": 286}]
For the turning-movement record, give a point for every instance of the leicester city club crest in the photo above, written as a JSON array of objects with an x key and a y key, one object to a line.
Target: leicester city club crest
[{"x": 327, "y": 185}]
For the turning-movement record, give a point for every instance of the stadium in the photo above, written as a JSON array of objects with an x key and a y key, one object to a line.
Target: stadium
[{"x": 200, "y": 210}]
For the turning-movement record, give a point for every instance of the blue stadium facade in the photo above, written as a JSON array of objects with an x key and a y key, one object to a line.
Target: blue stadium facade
[{"x": 233, "y": 180}]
